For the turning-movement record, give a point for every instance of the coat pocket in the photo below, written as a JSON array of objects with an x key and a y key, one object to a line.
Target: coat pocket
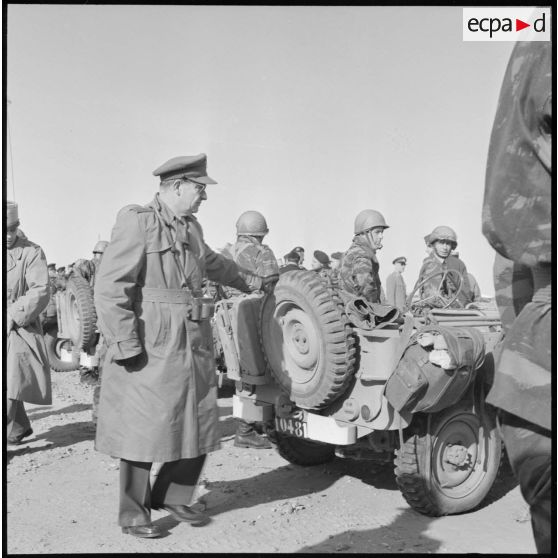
[{"x": 154, "y": 326}]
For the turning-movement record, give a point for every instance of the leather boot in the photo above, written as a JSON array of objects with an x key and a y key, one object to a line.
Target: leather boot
[{"x": 247, "y": 437}]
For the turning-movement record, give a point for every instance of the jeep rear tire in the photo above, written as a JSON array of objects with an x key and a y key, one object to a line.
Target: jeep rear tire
[
  {"x": 307, "y": 340},
  {"x": 82, "y": 317},
  {"x": 53, "y": 346},
  {"x": 302, "y": 452},
  {"x": 451, "y": 467}
]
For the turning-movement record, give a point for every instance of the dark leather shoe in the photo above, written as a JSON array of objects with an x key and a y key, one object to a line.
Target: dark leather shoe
[
  {"x": 16, "y": 440},
  {"x": 143, "y": 531},
  {"x": 186, "y": 514},
  {"x": 252, "y": 440}
]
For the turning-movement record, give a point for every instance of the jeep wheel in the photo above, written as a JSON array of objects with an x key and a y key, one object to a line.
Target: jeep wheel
[
  {"x": 82, "y": 317},
  {"x": 54, "y": 345},
  {"x": 302, "y": 452},
  {"x": 307, "y": 340},
  {"x": 451, "y": 467}
]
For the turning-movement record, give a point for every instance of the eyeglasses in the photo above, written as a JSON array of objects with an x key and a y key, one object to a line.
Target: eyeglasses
[{"x": 200, "y": 188}]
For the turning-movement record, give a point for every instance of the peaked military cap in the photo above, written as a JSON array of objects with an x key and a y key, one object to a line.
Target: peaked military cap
[
  {"x": 322, "y": 257},
  {"x": 12, "y": 216},
  {"x": 51, "y": 266},
  {"x": 298, "y": 249},
  {"x": 186, "y": 166},
  {"x": 401, "y": 259},
  {"x": 292, "y": 256},
  {"x": 336, "y": 255}
]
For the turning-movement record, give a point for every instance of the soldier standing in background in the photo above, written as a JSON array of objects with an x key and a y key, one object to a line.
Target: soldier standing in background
[
  {"x": 321, "y": 264},
  {"x": 335, "y": 263},
  {"x": 259, "y": 261},
  {"x": 300, "y": 251},
  {"x": 159, "y": 389},
  {"x": 359, "y": 270},
  {"x": 517, "y": 222},
  {"x": 396, "y": 290},
  {"x": 27, "y": 294},
  {"x": 291, "y": 262}
]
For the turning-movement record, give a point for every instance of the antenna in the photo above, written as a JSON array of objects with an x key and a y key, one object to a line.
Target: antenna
[{"x": 11, "y": 153}]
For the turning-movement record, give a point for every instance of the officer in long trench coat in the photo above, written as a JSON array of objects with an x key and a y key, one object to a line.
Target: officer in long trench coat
[
  {"x": 27, "y": 293},
  {"x": 159, "y": 395}
]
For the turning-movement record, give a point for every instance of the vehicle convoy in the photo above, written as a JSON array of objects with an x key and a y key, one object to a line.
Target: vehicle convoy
[
  {"x": 330, "y": 374},
  {"x": 70, "y": 329}
]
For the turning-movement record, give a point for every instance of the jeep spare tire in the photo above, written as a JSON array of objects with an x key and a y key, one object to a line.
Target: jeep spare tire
[
  {"x": 57, "y": 349},
  {"x": 307, "y": 340},
  {"x": 82, "y": 318}
]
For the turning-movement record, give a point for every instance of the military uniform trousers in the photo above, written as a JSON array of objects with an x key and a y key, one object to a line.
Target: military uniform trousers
[
  {"x": 174, "y": 485},
  {"x": 18, "y": 422},
  {"x": 529, "y": 449}
]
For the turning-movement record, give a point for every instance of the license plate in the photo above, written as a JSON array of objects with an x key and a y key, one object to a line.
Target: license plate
[{"x": 291, "y": 425}]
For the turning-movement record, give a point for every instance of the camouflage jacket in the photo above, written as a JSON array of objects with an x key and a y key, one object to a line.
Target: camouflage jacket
[
  {"x": 359, "y": 271},
  {"x": 517, "y": 208},
  {"x": 517, "y": 221},
  {"x": 432, "y": 265},
  {"x": 254, "y": 261}
]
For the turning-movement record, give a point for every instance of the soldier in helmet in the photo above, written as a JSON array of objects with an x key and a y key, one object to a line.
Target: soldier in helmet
[
  {"x": 259, "y": 261},
  {"x": 439, "y": 289},
  {"x": 88, "y": 268},
  {"x": 359, "y": 269}
]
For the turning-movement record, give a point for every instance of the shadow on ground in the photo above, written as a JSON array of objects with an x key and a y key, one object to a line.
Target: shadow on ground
[
  {"x": 58, "y": 436},
  {"x": 291, "y": 481},
  {"x": 405, "y": 533},
  {"x": 36, "y": 414}
]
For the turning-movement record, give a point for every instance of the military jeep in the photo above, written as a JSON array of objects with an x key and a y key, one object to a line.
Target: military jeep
[{"x": 321, "y": 378}]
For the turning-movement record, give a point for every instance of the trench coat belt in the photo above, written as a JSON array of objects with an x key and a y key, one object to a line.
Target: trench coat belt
[{"x": 171, "y": 296}]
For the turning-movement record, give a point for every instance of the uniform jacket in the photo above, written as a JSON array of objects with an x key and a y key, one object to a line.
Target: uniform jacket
[
  {"x": 431, "y": 265},
  {"x": 28, "y": 293},
  {"x": 396, "y": 290},
  {"x": 165, "y": 407},
  {"x": 475, "y": 289},
  {"x": 254, "y": 261},
  {"x": 517, "y": 221},
  {"x": 358, "y": 272}
]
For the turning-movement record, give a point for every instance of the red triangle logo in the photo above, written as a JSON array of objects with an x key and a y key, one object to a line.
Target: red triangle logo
[{"x": 519, "y": 25}]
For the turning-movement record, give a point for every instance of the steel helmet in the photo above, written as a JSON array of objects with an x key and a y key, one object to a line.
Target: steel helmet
[
  {"x": 443, "y": 233},
  {"x": 252, "y": 223},
  {"x": 100, "y": 247},
  {"x": 368, "y": 219}
]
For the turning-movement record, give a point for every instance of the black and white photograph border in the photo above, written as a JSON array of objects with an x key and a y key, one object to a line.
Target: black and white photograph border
[{"x": 307, "y": 115}]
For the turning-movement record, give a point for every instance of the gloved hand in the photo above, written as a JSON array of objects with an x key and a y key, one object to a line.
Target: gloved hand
[{"x": 268, "y": 283}]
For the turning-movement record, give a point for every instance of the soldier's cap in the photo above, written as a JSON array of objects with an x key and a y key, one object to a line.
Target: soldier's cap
[
  {"x": 336, "y": 255},
  {"x": 322, "y": 257},
  {"x": 61, "y": 268},
  {"x": 298, "y": 249},
  {"x": 401, "y": 259},
  {"x": 12, "y": 216},
  {"x": 51, "y": 266},
  {"x": 193, "y": 167}
]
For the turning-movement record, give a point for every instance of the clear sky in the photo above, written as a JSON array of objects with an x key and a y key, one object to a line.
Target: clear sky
[{"x": 307, "y": 114}]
